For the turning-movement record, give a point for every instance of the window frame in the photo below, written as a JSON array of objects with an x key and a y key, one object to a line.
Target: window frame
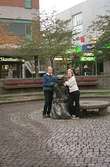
[
  {"x": 26, "y": 30},
  {"x": 28, "y": 4},
  {"x": 75, "y": 21}
]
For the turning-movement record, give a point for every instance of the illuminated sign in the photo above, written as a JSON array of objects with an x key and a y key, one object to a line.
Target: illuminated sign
[
  {"x": 107, "y": 45},
  {"x": 85, "y": 58},
  {"x": 76, "y": 49},
  {"x": 88, "y": 47},
  {"x": 89, "y": 54},
  {"x": 8, "y": 59}
]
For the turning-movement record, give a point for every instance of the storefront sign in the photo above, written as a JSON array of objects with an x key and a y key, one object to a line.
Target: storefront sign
[
  {"x": 88, "y": 47},
  {"x": 85, "y": 58},
  {"x": 8, "y": 59},
  {"x": 89, "y": 54}
]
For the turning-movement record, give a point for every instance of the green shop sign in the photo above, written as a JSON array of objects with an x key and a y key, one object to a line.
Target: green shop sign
[
  {"x": 88, "y": 57},
  {"x": 76, "y": 49},
  {"x": 85, "y": 58},
  {"x": 107, "y": 46}
]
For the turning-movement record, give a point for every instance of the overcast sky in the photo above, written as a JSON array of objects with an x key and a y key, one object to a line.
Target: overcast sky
[{"x": 58, "y": 5}]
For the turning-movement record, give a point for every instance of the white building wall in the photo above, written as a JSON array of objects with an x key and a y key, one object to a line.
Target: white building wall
[
  {"x": 93, "y": 9},
  {"x": 90, "y": 9}
]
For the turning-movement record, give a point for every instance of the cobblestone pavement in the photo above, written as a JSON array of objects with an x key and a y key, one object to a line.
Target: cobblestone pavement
[{"x": 27, "y": 140}]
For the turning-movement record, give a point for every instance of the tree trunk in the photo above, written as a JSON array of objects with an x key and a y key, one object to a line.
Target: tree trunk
[
  {"x": 52, "y": 62},
  {"x": 0, "y": 70},
  {"x": 36, "y": 65}
]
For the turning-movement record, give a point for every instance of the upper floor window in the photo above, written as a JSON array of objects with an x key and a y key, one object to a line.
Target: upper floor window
[
  {"x": 20, "y": 29},
  {"x": 28, "y": 4},
  {"x": 77, "y": 19}
]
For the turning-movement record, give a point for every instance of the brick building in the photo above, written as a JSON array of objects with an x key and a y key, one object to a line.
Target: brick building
[
  {"x": 21, "y": 3},
  {"x": 17, "y": 15}
]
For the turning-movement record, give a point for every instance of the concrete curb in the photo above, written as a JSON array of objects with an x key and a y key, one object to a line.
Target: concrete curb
[
  {"x": 41, "y": 97},
  {"x": 21, "y": 100}
]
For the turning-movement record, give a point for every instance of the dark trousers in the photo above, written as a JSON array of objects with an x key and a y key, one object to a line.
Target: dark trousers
[
  {"x": 48, "y": 95},
  {"x": 73, "y": 103}
]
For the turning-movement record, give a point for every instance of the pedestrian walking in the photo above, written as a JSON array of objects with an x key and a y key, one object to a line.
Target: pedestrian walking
[
  {"x": 74, "y": 94},
  {"x": 49, "y": 81}
]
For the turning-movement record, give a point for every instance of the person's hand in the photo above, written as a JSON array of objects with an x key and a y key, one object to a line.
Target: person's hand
[{"x": 65, "y": 84}]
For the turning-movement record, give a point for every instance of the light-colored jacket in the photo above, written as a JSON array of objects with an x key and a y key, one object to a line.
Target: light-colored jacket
[{"x": 72, "y": 84}]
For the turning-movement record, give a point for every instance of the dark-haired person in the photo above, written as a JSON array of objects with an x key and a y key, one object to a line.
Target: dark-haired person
[
  {"x": 49, "y": 81},
  {"x": 74, "y": 94}
]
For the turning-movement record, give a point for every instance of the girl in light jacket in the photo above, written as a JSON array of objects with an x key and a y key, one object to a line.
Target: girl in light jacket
[{"x": 74, "y": 94}]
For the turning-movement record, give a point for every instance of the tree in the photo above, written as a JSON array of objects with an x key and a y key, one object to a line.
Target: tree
[
  {"x": 56, "y": 37},
  {"x": 102, "y": 46},
  {"x": 50, "y": 39},
  {"x": 30, "y": 48}
]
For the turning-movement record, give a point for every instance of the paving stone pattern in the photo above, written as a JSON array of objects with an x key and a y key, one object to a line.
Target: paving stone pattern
[{"x": 28, "y": 140}]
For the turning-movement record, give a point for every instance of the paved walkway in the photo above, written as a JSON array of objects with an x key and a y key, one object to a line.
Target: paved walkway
[{"x": 27, "y": 140}]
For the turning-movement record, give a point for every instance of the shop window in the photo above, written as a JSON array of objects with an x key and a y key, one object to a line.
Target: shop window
[
  {"x": 28, "y": 4},
  {"x": 28, "y": 30}
]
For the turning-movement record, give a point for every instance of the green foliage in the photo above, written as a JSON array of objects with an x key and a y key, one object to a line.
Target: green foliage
[
  {"x": 50, "y": 39},
  {"x": 56, "y": 37},
  {"x": 102, "y": 26}
]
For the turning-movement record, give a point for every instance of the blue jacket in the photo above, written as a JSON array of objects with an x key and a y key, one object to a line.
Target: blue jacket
[{"x": 49, "y": 82}]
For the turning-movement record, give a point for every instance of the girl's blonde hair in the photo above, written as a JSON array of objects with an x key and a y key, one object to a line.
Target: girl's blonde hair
[{"x": 70, "y": 70}]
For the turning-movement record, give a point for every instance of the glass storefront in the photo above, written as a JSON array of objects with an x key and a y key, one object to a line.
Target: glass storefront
[
  {"x": 83, "y": 61},
  {"x": 10, "y": 68},
  {"x": 85, "y": 65}
]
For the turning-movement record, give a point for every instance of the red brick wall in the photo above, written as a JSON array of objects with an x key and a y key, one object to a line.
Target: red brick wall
[
  {"x": 18, "y": 3},
  {"x": 35, "y": 4}
]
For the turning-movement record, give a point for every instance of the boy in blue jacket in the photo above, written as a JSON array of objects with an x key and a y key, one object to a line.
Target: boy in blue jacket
[{"x": 49, "y": 81}]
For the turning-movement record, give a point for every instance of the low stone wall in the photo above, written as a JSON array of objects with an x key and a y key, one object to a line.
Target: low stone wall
[
  {"x": 3, "y": 90},
  {"x": 1, "y": 86},
  {"x": 104, "y": 81}
]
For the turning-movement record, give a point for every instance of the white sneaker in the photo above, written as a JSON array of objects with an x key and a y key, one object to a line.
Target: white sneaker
[
  {"x": 77, "y": 118},
  {"x": 73, "y": 117}
]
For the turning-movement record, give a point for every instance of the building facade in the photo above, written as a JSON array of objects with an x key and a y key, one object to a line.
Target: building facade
[
  {"x": 82, "y": 15},
  {"x": 17, "y": 16},
  {"x": 81, "y": 18}
]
